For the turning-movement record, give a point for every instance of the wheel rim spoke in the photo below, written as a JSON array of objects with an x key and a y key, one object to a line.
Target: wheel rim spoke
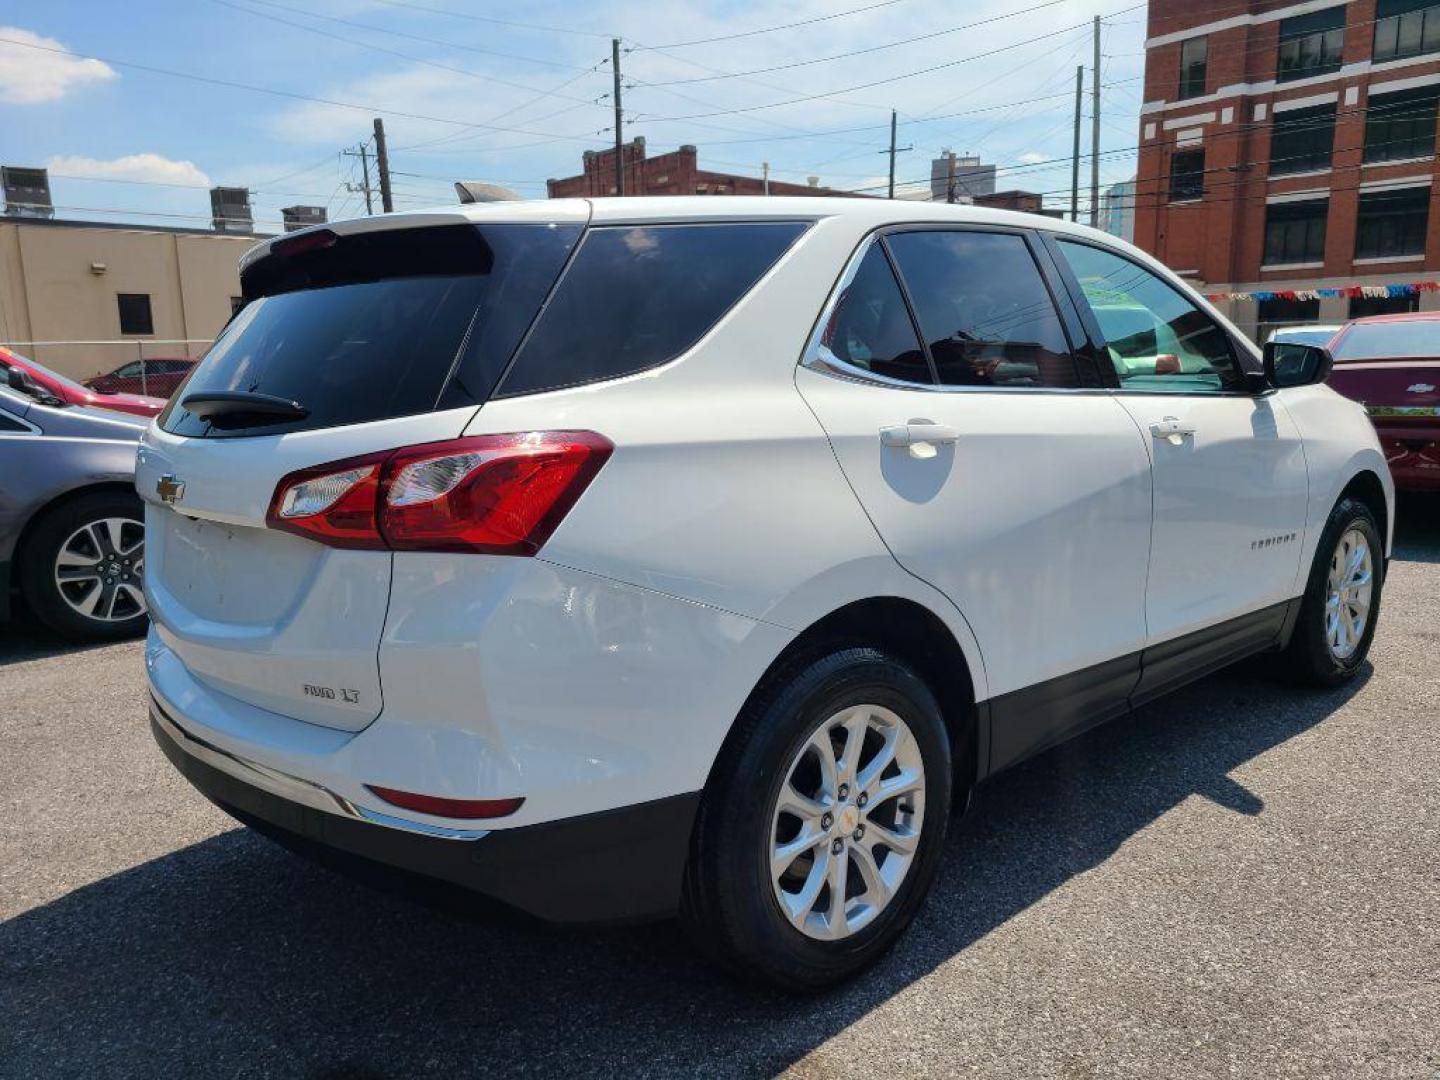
[
  {"x": 99, "y": 567},
  {"x": 822, "y": 847}
]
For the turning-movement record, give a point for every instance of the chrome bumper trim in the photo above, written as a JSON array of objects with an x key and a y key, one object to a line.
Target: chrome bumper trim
[{"x": 293, "y": 788}]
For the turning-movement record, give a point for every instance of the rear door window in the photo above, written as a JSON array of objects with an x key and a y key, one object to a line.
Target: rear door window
[
  {"x": 984, "y": 309},
  {"x": 379, "y": 325},
  {"x": 870, "y": 327},
  {"x": 635, "y": 297}
]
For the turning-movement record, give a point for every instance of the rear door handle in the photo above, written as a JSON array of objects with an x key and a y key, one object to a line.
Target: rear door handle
[
  {"x": 921, "y": 437},
  {"x": 1172, "y": 428}
]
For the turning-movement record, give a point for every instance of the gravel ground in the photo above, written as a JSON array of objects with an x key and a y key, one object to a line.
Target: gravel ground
[{"x": 1238, "y": 880}]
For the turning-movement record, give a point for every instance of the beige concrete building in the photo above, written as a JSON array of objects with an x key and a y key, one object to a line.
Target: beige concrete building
[{"x": 130, "y": 290}]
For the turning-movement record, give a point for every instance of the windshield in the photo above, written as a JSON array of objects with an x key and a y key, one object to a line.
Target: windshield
[
  {"x": 40, "y": 371},
  {"x": 1304, "y": 337},
  {"x": 1410, "y": 338}
]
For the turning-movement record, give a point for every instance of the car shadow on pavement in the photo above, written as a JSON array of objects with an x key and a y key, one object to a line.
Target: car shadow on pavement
[
  {"x": 22, "y": 639},
  {"x": 232, "y": 957}
]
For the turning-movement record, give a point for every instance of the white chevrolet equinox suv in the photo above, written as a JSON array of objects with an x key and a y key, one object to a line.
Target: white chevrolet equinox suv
[{"x": 628, "y": 557}]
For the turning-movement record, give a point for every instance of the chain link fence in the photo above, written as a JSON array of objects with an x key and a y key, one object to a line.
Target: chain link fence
[{"x": 152, "y": 367}]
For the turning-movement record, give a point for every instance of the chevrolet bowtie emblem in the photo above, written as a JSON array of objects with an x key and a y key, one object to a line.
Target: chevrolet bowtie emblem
[
  {"x": 170, "y": 489},
  {"x": 1420, "y": 388}
]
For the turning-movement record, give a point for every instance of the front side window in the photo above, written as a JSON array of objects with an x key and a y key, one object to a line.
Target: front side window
[
  {"x": 1311, "y": 44},
  {"x": 1187, "y": 175},
  {"x": 1392, "y": 223},
  {"x": 1193, "y": 55},
  {"x": 1406, "y": 28},
  {"x": 983, "y": 309},
  {"x": 870, "y": 327},
  {"x": 1401, "y": 125},
  {"x": 1302, "y": 140},
  {"x": 637, "y": 296},
  {"x": 1157, "y": 339},
  {"x": 1295, "y": 232}
]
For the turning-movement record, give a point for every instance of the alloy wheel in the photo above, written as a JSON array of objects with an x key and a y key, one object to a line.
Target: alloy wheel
[
  {"x": 1349, "y": 590},
  {"x": 846, "y": 823},
  {"x": 99, "y": 568}
]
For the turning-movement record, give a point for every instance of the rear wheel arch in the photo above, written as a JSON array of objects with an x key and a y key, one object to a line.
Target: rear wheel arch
[{"x": 904, "y": 630}]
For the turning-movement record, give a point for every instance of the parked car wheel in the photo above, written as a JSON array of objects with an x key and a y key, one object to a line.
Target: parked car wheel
[
  {"x": 1342, "y": 598},
  {"x": 822, "y": 824},
  {"x": 82, "y": 567}
]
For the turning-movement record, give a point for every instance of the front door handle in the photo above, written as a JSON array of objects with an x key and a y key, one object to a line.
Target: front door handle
[
  {"x": 1172, "y": 428},
  {"x": 921, "y": 437}
]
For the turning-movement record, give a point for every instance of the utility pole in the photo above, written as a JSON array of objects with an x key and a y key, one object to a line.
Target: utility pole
[
  {"x": 765, "y": 175},
  {"x": 619, "y": 114},
  {"x": 950, "y": 176},
  {"x": 893, "y": 151},
  {"x": 1095, "y": 132},
  {"x": 364, "y": 157},
  {"x": 382, "y": 166},
  {"x": 1075, "y": 152}
]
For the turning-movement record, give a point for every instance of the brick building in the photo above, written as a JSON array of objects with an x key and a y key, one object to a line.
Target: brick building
[
  {"x": 675, "y": 173},
  {"x": 1290, "y": 147}
]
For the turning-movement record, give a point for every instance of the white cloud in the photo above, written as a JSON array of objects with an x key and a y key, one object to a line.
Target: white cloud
[
  {"x": 151, "y": 168},
  {"x": 33, "y": 76},
  {"x": 1033, "y": 157}
]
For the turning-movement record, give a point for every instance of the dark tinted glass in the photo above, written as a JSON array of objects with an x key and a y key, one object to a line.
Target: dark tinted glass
[
  {"x": 1193, "y": 54},
  {"x": 1398, "y": 339},
  {"x": 1401, "y": 125},
  {"x": 9, "y": 423},
  {"x": 1295, "y": 231},
  {"x": 1392, "y": 223},
  {"x": 341, "y": 333},
  {"x": 1302, "y": 140},
  {"x": 871, "y": 328},
  {"x": 984, "y": 309},
  {"x": 637, "y": 296}
]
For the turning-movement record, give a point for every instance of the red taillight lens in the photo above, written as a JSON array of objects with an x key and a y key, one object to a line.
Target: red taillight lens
[
  {"x": 451, "y": 808},
  {"x": 334, "y": 503},
  {"x": 494, "y": 494}
]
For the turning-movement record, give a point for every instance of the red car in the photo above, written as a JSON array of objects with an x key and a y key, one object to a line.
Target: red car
[
  {"x": 1391, "y": 365},
  {"x": 157, "y": 376},
  {"x": 73, "y": 393}
]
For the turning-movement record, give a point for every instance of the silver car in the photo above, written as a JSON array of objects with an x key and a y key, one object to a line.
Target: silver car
[{"x": 72, "y": 535}]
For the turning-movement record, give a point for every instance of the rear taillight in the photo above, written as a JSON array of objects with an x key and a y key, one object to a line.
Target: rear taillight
[
  {"x": 451, "y": 808},
  {"x": 493, "y": 494}
]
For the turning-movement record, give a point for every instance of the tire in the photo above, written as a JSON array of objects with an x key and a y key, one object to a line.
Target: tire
[
  {"x": 731, "y": 904},
  {"x": 1313, "y": 655},
  {"x": 78, "y": 527}
]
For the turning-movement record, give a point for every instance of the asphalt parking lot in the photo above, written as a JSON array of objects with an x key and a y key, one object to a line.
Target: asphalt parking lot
[{"x": 1238, "y": 880}]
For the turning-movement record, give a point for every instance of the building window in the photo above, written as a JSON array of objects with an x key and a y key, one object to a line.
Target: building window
[
  {"x": 1361, "y": 306},
  {"x": 1401, "y": 125},
  {"x": 1311, "y": 44},
  {"x": 135, "y": 317},
  {"x": 1392, "y": 223},
  {"x": 1301, "y": 140},
  {"x": 1187, "y": 175},
  {"x": 1295, "y": 232},
  {"x": 1406, "y": 28},
  {"x": 1192, "y": 67}
]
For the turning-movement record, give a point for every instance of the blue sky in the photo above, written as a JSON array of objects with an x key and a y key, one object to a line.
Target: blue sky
[{"x": 512, "y": 94}]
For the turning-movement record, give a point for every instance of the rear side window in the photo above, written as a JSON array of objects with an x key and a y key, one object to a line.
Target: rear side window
[
  {"x": 984, "y": 309},
  {"x": 381, "y": 325},
  {"x": 871, "y": 328},
  {"x": 635, "y": 297}
]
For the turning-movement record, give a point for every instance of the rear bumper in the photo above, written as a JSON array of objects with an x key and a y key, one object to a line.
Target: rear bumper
[
  {"x": 1413, "y": 453},
  {"x": 619, "y": 865}
]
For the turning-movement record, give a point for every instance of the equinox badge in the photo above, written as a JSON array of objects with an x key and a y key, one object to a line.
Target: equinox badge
[{"x": 170, "y": 489}]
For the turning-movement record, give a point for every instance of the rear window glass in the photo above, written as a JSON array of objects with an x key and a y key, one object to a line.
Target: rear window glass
[
  {"x": 380, "y": 325},
  {"x": 1417, "y": 338},
  {"x": 635, "y": 297}
]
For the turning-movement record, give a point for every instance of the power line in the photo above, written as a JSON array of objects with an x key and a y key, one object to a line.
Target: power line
[
  {"x": 494, "y": 21},
  {"x": 775, "y": 29},
  {"x": 865, "y": 51}
]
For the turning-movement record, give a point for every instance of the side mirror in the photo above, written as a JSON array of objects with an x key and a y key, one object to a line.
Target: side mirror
[
  {"x": 18, "y": 380},
  {"x": 1288, "y": 363}
]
